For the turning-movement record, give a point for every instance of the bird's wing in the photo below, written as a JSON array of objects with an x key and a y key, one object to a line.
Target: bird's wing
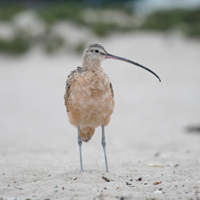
[
  {"x": 112, "y": 91},
  {"x": 70, "y": 80}
]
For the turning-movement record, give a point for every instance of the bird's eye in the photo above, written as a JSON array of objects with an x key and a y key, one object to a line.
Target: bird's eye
[{"x": 96, "y": 51}]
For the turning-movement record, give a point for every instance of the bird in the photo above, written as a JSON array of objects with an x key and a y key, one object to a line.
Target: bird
[{"x": 89, "y": 95}]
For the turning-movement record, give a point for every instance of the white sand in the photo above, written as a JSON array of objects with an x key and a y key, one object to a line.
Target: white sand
[{"x": 39, "y": 156}]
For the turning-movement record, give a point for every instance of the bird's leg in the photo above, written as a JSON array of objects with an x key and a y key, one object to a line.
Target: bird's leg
[
  {"x": 80, "y": 151},
  {"x": 103, "y": 142}
]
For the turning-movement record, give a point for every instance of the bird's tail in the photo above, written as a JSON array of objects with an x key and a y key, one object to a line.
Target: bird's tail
[{"x": 87, "y": 133}]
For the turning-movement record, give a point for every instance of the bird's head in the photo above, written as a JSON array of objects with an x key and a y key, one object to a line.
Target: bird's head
[{"x": 95, "y": 53}]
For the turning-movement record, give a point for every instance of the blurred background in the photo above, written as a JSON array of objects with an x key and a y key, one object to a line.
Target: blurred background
[
  {"x": 41, "y": 42},
  {"x": 49, "y": 24}
]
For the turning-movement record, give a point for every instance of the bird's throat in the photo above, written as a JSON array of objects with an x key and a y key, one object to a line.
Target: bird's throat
[{"x": 91, "y": 65}]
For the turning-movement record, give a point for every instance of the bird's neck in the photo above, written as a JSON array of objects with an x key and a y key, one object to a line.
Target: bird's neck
[{"x": 91, "y": 65}]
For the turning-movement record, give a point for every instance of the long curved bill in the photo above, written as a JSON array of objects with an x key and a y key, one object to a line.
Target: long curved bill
[{"x": 107, "y": 55}]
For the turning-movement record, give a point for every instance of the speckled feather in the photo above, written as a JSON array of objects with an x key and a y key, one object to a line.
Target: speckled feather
[
  {"x": 89, "y": 96},
  {"x": 69, "y": 81}
]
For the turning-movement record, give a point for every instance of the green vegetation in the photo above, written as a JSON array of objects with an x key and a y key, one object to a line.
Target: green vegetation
[
  {"x": 102, "y": 29},
  {"x": 57, "y": 12},
  {"x": 102, "y": 21},
  {"x": 80, "y": 47},
  {"x": 187, "y": 21},
  {"x": 8, "y": 12},
  {"x": 75, "y": 13},
  {"x": 18, "y": 45},
  {"x": 53, "y": 43}
]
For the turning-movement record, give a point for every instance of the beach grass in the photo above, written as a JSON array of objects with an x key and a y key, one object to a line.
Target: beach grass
[{"x": 101, "y": 21}]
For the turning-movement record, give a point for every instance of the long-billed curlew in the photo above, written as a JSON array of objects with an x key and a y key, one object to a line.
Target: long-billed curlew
[{"x": 89, "y": 96}]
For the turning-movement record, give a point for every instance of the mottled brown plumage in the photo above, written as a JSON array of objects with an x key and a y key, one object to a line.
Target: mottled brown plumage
[{"x": 89, "y": 96}]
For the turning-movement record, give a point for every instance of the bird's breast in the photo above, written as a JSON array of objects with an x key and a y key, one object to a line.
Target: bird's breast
[
  {"x": 92, "y": 88},
  {"x": 91, "y": 100}
]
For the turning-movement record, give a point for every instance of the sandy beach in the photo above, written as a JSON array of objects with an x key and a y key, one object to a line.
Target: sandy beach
[{"x": 150, "y": 153}]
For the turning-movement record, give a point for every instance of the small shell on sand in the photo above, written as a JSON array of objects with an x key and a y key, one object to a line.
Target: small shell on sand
[{"x": 155, "y": 165}]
